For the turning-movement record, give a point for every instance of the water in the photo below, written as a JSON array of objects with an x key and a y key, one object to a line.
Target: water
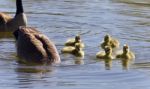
[{"x": 127, "y": 20}]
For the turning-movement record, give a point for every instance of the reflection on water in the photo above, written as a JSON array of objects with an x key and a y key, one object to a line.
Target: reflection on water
[
  {"x": 34, "y": 69},
  {"x": 79, "y": 60},
  {"x": 145, "y": 65},
  {"x": 126, "y": 63},
  {"x": 127, "y": 20},
  {"x": 108, "y": 64},
  {"x": 123, "y": 63},
  {"x": 136, "y": 2},
  {"x": 6, "y": 35}
]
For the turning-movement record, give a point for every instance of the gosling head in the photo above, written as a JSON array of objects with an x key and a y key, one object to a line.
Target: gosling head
[
  {"x": 107, "y": 38},
  {"x": 77, "y": 47},
  {"x": 77, "y": 38},
  {"x": 125, "y": 48},
  {"x": 108, "y": 50}
]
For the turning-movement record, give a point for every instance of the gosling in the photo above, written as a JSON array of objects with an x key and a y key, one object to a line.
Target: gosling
[
  {"x": 109, "y": 41},
  {"x": 126, "y": 53},
  {"x": 73, "y": 41},
  {"x": 76, "y": 51},
  {"x": 106, "y": 54}
]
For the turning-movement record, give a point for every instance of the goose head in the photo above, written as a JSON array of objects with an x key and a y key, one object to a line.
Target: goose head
[{"x": 125, "y": 49}]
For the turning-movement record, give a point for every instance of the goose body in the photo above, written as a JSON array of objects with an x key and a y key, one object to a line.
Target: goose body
[
  {"x": 33, "y": 46},
  {"x": 77, "y": 51},
  {"x": 109, "y": 41},
  {"x": 106, "y": 54},
  {"x": 126, "y": 53},
  {"x": 73, "y": 41},
  {"x": 10, "y": 24}
]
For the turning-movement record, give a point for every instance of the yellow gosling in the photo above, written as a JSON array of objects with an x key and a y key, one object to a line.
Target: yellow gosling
[
  {"x": 106, "y": 54},
  {"x": 73, "y": 41},
  {"x": 126, "y": 53},
  {"x": 77, "y": 51},
  {"x": 109, "y": 41}
]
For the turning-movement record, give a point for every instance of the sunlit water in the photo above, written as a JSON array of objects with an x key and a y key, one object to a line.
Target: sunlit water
[{"x": 127, "y": 20}]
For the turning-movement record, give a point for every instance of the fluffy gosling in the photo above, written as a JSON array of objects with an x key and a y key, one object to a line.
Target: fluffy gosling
[
  {"x": 126, "y": 53},
  {"x": 109, "y": 41},
  {"x": 106, "y": 54},
  {"x": 77, "y": 50},
  {"x": 73, "y": 41}
]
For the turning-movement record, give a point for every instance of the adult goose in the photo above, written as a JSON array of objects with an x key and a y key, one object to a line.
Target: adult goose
[
  {"x": 35, "y": 47},
  {"x": 10, "y": 24}
]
